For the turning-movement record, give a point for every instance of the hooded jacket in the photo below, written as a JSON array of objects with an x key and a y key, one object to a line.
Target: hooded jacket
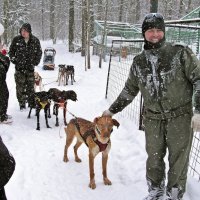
[
  {"x": 24, "y": 55},
  {"x": 165, "y": 78}
]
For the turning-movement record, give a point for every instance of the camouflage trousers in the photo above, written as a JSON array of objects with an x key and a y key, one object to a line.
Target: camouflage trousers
[
  {"x": 3, "y": 99},
  {"x": 174, "y": 135},
  {"x": 24, "y": 87}
]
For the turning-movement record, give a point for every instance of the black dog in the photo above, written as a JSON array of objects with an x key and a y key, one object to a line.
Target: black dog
[
  {"x": 42, "y": 101},
  {"x": 60, "y": 101},
  {"x": 69, "y": 70}
]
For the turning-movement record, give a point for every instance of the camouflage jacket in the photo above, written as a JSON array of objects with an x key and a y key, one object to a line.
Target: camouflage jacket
[
  {"x": 24, "y": 55},
  {"x": 165, "y": 77},
  {"x": 4, "y": 65}
]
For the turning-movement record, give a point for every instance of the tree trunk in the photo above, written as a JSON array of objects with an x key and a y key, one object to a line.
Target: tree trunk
[
  {"x": 153, "y": 6},
  {"x": 52, "y": 21},
  {"x": 42, "y": 19},
  {"x": 71, "y": 25},
  {"x": 189, "y": 6},
  {"x": 88, "y": 34},
  {"x": 137, "y": 10},
  {"x": 121, "y": 10},
  {"x": 100, "y": 10},
  {"x": 181, "y": 8},
  {"x": 5, "y": 13},
  {"x": 103, "y": 36},
  {"x": 84, "y": 12}
]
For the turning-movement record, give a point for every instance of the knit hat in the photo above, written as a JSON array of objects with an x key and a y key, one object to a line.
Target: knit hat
[
  {"x": 1, "y": 29},
  {"x": 153, "y": 20},
  {"x": 27, "y": 27}
]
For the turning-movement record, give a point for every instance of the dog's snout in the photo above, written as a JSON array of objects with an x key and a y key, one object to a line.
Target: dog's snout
[{"x": 106, "y": 134}]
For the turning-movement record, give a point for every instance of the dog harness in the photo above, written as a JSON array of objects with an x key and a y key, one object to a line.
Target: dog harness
[
  {"x": 91, "y": 132},
  {"x": 43, "y": 104},
  {"x": 37, "y": 82}
]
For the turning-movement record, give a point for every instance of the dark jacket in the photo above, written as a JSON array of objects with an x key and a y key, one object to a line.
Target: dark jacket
[
  {"x": 4, "y": 65},
  {"x": 165, "y": 77},
  {"x": 24, "y": 55},
  {"x": 7, "y": 165}
]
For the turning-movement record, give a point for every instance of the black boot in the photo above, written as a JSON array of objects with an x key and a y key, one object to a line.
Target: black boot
[{"x": 2, "y": 194}]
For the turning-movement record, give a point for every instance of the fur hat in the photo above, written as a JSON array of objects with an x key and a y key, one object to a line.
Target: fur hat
[
  {"x": 1, "y": 29},
  {"x": 153, "y": 20},
  {"x": 27, "y": 27}
]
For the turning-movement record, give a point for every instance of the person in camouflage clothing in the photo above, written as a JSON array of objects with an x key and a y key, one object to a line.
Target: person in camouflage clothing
[
  {"x": 25, "y": 52},
  {"x": 167, "y": 75},
  {"x": 7, "y": 167}
]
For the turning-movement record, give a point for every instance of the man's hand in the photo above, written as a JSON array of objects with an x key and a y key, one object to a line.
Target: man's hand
[
  {"x": 107, "y": 113},
  {"x": 195, "y": 123}
]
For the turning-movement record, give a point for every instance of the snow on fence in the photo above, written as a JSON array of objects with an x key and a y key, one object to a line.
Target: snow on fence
[{"x": 121, "y": 56}]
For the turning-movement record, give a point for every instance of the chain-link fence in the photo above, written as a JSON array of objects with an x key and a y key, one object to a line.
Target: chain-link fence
[{"x": 121, "y": 57}]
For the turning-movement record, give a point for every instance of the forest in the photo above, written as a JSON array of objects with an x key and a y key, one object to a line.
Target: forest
[{"x": 70, "y": 20}]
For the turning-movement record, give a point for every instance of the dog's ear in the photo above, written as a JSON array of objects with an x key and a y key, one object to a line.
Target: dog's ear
[
  {"x": 115, "y": 123},
  {"x": 96, "y": 119}
]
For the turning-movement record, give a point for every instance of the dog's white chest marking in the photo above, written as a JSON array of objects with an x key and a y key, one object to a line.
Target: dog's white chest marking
[{"x": 95, "y": 151}]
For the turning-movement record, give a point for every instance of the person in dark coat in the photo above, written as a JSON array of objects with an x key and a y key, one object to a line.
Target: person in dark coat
[
  {"x": 7, "y": 167},
  {"x": 168, "y": 77},
  {"x": 4, "y": 65},
  {"x": 25, "y": 52}
]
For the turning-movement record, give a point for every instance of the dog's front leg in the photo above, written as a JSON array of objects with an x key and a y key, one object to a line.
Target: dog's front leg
[
  {"x": 92, "y": 184},
  {"x": 104, "y": 169},
  {"x": 38, "y": 119},
  {"x": 46, "y": 118},
  {"x": 56, "y": 107},
  {"x": 64, "y": 113},
  {"x": 29, "y": 114}
]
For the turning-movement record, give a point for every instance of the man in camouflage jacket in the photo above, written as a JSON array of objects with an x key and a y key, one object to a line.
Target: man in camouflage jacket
[
  {"x": 25, "y": 52},
  {"x": 167, "y": 75}
]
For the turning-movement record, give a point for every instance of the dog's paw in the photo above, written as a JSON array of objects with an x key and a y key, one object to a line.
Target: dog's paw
[
  {"x": 78, "y": 160},
  {"x": 38, "y": 128},
  {"x": 92, "y": 185},
  {"x": 107, "y": 181},
  {"x": 65, "y": 159}
]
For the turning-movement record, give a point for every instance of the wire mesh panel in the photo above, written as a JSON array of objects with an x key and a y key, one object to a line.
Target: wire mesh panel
[
  {"x": 194, "y": 166},
  {"x": 121, "y": 57},
  {"x": 184, "y": 31}
]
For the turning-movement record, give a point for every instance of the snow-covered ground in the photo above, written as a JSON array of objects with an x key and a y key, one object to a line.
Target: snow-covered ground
[{"x": 40, "y": 171}]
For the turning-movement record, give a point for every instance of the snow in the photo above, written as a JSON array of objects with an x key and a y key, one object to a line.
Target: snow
[
  {"x": 40, "y": 172},
  {"x": 1, "y": 29}
]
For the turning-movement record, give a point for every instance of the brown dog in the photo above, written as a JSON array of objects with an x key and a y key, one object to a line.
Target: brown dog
[{"x": 96, "y": 135}]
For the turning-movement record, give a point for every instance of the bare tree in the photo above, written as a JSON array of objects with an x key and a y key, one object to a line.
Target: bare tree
[
  {"x": 52, "y": 21},
  {"x": 88, "y": 64},
  {"x": 121, "y": 5},
  {"x": 99, "y": 9},
  {"x": 181, "y": 8},
  {"x": 84, "y": 18},
  {"x": 5, "y": 20},
  {"x": 153, "y": 6},
  {"x": 103, "y": 34},
  {"x": 71, "y": 25}
]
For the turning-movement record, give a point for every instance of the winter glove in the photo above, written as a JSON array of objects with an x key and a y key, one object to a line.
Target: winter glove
[
  {"x": 195, "y": 123},
  {"x": 107, "y": 113}
]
